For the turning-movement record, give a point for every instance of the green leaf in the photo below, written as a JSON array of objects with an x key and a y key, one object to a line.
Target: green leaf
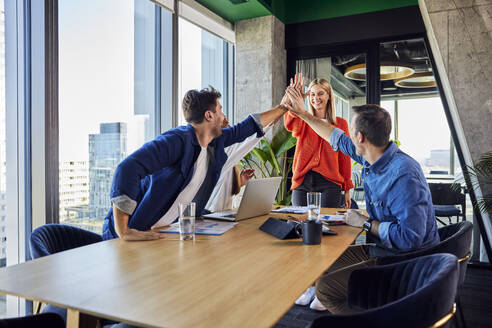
[
  {"x": 261, "y": 155},
  {"x": 288, "y": 144},
  {"x": 279, "y": 139},
  {"x": 271, "y": 156}
]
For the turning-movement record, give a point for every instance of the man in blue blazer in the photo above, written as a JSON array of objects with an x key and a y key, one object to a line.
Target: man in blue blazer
[{"x": 179, "y": 166}]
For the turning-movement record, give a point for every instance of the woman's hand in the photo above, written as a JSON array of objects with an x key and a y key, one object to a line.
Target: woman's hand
[
  {"x": 246, "y": 175},
  {"x": 225, "y": 124},
  {"x": 298, "y": 84},
  {"x": 348, "y": 201}
]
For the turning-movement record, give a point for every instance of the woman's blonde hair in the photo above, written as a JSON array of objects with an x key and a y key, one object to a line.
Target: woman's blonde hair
[{"x": 331, "y": 113}]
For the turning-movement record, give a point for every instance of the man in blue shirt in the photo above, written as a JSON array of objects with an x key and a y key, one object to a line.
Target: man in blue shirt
[
  {"x": 180, "y": 165},
  {"x": 398, "y": 200}
]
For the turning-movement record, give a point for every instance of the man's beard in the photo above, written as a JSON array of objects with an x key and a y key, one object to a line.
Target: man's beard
[{"x": 218, "y": 130}]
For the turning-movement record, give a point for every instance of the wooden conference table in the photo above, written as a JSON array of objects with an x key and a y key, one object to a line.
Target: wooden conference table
[{"x": 244, "y": 278}]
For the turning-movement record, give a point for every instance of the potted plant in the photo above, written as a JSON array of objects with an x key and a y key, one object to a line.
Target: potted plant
[
  {"x": 269, "y": 159},
  {"x": 482, "y": 175}
]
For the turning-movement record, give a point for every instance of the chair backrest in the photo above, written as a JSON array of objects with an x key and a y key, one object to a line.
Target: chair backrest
[
  {"x": 357, "y": 178},
  {"x": 54, "y": 238},
  {"x": 413, "y": 293},
  {"x": 51, "y": 320},
  {"x": 438, "y": 172},
  {"x": 443, "y": 194},
  {"x": 353, "y": 203},
  {"x": 455, "y": 239}
]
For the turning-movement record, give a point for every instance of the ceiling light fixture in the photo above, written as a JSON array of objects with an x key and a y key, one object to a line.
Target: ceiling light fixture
[
  {"x": 388, "y": 71},
  {"x": 417, "y": 80}
]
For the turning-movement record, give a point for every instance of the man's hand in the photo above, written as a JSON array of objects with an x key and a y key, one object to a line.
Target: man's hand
[
  {"x": 126, "y": 233},
  {"x": 136, "y": 235},
  {"x": 348, "y": 201},
  {"x": 297, "y": 102},
  {"x": 246, "y": 175},
  {"x": 225, "y": 124},
  {"x": 355, "y": 219}
]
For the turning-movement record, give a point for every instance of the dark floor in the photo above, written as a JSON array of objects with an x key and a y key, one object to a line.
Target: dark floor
[{"x": 476, "y": 301}]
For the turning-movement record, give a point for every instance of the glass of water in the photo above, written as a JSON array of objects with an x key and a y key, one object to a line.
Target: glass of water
[
  {"x": 187, "y": 221},
  {"x": 313, "y": 205}
]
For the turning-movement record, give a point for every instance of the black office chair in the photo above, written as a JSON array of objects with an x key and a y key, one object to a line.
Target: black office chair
[
  {"x": 438, "y": 172},
  {"x": 414, "y": 293},
  {"x": 53, "y": 238},
  {"x": 51, "y": 320},
  {"x": 445, "y": 199},
  {"x": 456, "y": 240},
  {"x": 358, "y": 185},
  {"x": 353, "y": 203}
]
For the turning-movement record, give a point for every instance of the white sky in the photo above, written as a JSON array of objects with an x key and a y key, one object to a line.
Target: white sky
[
  {"x": 96, "y": 70},
  {"x": 190, "y": 65}
]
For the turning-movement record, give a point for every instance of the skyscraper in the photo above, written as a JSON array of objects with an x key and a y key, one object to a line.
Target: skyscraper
[
  {"x": 106, "y": 150},
  {"x": 74, "y": 190}
]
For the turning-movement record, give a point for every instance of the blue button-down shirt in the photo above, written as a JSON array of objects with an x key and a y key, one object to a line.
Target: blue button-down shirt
[
  {"x": 147, "y": 182},
  {"x": 397, "y": 195}
]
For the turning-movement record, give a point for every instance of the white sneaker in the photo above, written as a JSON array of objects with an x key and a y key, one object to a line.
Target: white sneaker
[
  {"x": 307, "y": 297},
  {"x": 316, "y": 305}
]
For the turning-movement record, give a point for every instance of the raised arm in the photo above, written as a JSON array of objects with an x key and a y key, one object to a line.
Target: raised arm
[
  {"x": 272, "y": 115},
  {"x": 336, "y": 137},
  {"x": 322, "y": 128}
]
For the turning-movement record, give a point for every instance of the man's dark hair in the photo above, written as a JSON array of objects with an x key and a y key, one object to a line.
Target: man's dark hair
[
  {"x": 374, "y": 122},
  {"x": 196, "y": 103}
]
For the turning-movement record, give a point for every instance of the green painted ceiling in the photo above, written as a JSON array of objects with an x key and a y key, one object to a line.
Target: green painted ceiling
[
  {"x": 298, "y": 11},
  {"x": 234, "y": 13}
]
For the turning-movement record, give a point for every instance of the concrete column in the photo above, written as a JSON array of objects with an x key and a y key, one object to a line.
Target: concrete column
[
  {"x": 460, "y": 33},
  {"x": 260, "y": 65}
]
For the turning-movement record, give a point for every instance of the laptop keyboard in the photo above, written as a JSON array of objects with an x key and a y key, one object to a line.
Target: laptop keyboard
[{"x": 228, "y": 214}]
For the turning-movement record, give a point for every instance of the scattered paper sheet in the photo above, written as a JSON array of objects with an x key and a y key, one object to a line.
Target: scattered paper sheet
[
  {"x": 292, "y": 209},
  {"x": 204, "y": 227},
  {"x": 333, "y": 219}
]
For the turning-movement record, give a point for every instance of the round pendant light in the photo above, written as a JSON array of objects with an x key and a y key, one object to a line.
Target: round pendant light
[
  {"x": 388, "y": 71},
  {"x": 417, "y": 80}
]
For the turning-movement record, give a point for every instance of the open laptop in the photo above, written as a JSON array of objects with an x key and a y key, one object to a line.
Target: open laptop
[{"x": 257, "y": 200}]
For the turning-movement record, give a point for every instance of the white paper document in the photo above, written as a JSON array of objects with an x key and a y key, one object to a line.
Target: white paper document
[
  {"x": 333, "y": 219},
  {"x": 204, "y": 227},
  {"x": 292, "y": 209}
]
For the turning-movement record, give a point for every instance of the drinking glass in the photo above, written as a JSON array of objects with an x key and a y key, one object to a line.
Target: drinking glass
[
  {"x": 187, "y": 221},
  {"x": 313, "y": 205}
]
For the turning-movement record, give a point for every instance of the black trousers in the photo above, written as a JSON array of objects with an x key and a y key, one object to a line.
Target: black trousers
[{"x": 331, "y": 193}]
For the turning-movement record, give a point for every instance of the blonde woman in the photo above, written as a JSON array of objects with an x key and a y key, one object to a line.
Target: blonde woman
[{"x": 316, "y": 166}]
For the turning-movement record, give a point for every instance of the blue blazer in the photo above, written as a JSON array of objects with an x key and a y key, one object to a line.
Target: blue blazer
[{"x": 155, "y": 174}]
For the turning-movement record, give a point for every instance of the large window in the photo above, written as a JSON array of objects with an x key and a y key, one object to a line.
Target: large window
[
  {"x": 422, "y": 129},
  {"x": 107, "y": 97},
  {"x": 204, "y": 60}
]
